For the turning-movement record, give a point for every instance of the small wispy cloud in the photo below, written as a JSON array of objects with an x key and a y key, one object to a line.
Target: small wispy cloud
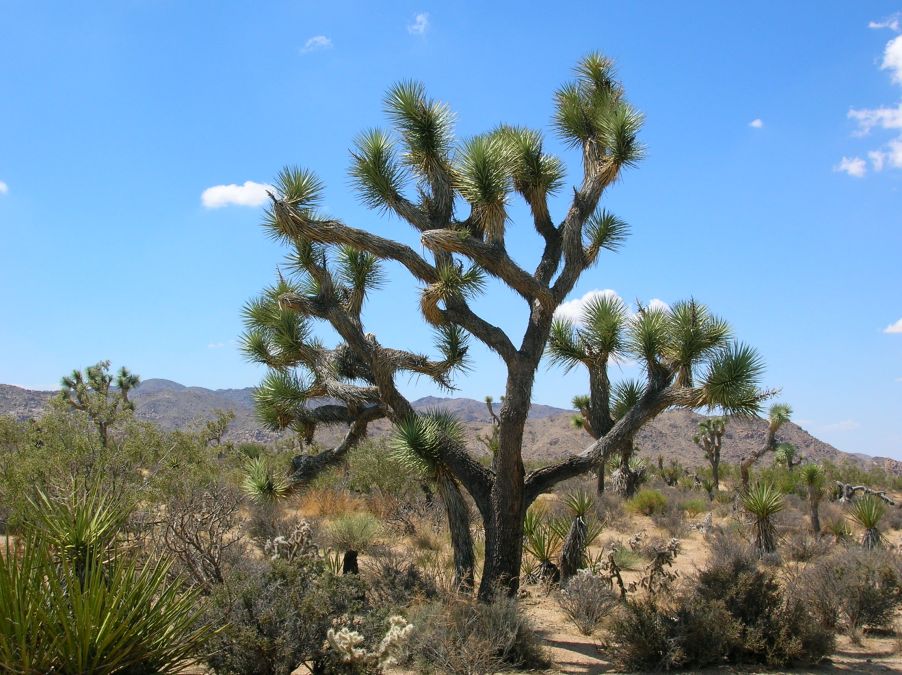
[
  {"x": 420, "y": 24},
  {"x": 4, "y": 188},
  {"x": 756, "y": 123},
  {"x": 316, "y": 43},
  {"x": 894, "y": 327},
  {"x": 216, "y": 345},
  {"x": 248, "y": 194},
  {"x": 853, "y": 166},
  {"x": 892, "y": 22},
  {"x": 843, "y": 425}
]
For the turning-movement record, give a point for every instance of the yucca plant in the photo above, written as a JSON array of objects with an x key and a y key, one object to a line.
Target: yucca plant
[
  {"x": 763, "y": 501},
  {"x": 80, "y": 525},
  {"x": 868, "y": 512},
  {"x": 353, "y": 533},
  {"x": 579, "y": 534},
  {"x": 92, "y": 611},
  {"x": 542, "y": 540},
  {"x": 262, "y": 484},
  {"x": 814, "y": 480}
]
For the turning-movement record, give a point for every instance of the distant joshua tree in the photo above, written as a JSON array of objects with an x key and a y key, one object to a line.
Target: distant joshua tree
[
  {"x": 95, "y": 394},
  {"x": 710, "y": 438},
  {"x": 778, "y": 415}
]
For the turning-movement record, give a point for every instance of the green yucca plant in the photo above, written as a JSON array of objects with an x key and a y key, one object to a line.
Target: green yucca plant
[
  {"x": 868, "y": 512},
  {"x": 763, "y": 501},
  {"x": 577, "y": 533},
  {"x": 262, "y": 484},
  {"x": 69, "y": 603},
  {"x": 80, "y": 525}
]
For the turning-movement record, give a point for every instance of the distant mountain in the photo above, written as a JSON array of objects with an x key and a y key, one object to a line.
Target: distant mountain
[{"x": 549, "y": 432}]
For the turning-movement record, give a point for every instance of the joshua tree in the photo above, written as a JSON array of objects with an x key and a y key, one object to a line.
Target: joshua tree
[
  {"x": 90, "y": 393},
  {"x": 577, "y": 538},
  {"x": 763, "y": 501},
  {"x": 788, "y": 455},
  {"x": 867, "y": 512},
  {"x": 689, "y": 358},
  {"x": 710, "y": 438},
  {"x": 417, "y": 442},
  {"x": 814, "y": 480},
  {"x": 216, "y": 428},
  {"x": 778, "y": 415}
]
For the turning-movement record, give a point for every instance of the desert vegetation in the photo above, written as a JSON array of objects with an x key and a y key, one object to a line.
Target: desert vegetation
[{"x": 130, "y": 549}]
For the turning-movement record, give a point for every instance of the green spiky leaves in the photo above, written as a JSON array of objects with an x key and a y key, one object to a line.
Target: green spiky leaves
[
  {"x": 375, "y": 170},
  {"x": 262, "y": 484},
  {"x": 730, "y": 382},
  {"x": 778, "y": 415},
  {"x": 598, "y": 337},
  {"x": 591, "y": 112},
  {"x": 603, "y": 230},
  {"x": 418, "y": 441},
  {"x": 360, "y": 272},
  {"x": 454, "y": 283},
  {"x": 483, "y": 177},
  {"x": 274, "y": 336},
  {"x": 426, "y": 127},
  {"x": 535, "y": 174},
  {"x": 452, "y": 342},
  {"x": 625, "y": 396}
]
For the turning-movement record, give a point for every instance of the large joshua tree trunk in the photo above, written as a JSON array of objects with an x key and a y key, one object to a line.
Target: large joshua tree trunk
[{"x": 504, "y": 530}]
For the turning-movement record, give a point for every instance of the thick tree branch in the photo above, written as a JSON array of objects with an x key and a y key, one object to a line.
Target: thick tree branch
[
  {"x": 491, "y": 257},
  {"x": 307, "y": 466}
]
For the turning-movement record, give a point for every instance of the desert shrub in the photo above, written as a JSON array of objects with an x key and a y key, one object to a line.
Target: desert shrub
[
  {"x": 694, "y": 506},
  {"x": 854, "y": 587},
  {"x": 647, "y": 502},
  {"x": 670, "y": 519},
  {"x": 624, "y": 557},
  {"x": 374, "y": 468},
  {"x": 587, "y": 598},
  {"x": 279, "y": 614},
  {"x": 801, "y": 546},
  {"x": 733, "y": 612},
  {"x": 393, "y": 580},
  {"x": 200, "y": 531},
  {"x": 763, "y": 501},
  {"x": 462, "y": 636},
  {"x": 892, "y": 520},
  {"x": 610, "y": 510}
]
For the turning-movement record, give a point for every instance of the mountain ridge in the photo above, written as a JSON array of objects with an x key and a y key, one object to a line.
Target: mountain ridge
[{"x": 549, "y": 432}]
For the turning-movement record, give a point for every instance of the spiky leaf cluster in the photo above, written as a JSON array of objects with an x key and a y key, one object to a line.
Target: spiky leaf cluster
[{"x": 419, "y": 441}]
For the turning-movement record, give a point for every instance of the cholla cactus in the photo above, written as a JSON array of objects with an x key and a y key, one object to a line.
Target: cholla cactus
[
  {"x": 349, "y": 644},
  {"x": 298, "y": 544}
]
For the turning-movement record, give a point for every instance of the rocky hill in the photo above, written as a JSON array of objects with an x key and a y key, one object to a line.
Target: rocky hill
[{"x": 549, "y": 431}]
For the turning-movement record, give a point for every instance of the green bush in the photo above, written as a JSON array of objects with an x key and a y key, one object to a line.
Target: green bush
[
  {"x": 647, "y": 502},
  {"x": 354, "y": 531},
  {"x": 278, "y": 615},
  {"x": 695, "y": 506},
  {"x": 374, "y": 468},
  {"x": 732, "y": 612}
]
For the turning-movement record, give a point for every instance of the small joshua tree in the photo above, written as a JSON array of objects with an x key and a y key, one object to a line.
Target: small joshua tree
[
  {"x": 763, "y": 501},
  {"x": 416, "y": 444},
  {"x": 778, "y": 415},
  {"x": 710, "y": 438},
  {"x": 814, "y": 480},
  {"x": 868, "y": 512},
  {"x": 91, "y": 394}
]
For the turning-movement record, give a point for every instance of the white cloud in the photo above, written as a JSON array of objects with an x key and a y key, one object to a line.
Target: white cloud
[
  {"x": 843, "y": 425},
  {"x": 316, "y": 43},
  {"x": 4, "y": 188},
  {"x": 892, "y": 22},
  {"x": 899, "y": 379},
  {"x": 894, "y": 327},
  {"x": 881, "y": 117},
  {"x": 854, "y": 166},
  {"x": 420, "y": 24},
  {"x": 892, "y": 58},
  {"x": 216, "y": 345},
  {"x": 756, "y": 123},
  {"x": 572, "y": 310},
  {"x": 248, "y": 194}
]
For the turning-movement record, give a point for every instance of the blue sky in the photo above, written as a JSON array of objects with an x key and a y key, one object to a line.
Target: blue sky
[{"x": 771, "y": 189}]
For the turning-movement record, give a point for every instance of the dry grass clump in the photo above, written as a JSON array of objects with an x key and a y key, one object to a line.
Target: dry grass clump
[
  {"x": 587, "y": 598},
  {"x": 461, "y": 636}
]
